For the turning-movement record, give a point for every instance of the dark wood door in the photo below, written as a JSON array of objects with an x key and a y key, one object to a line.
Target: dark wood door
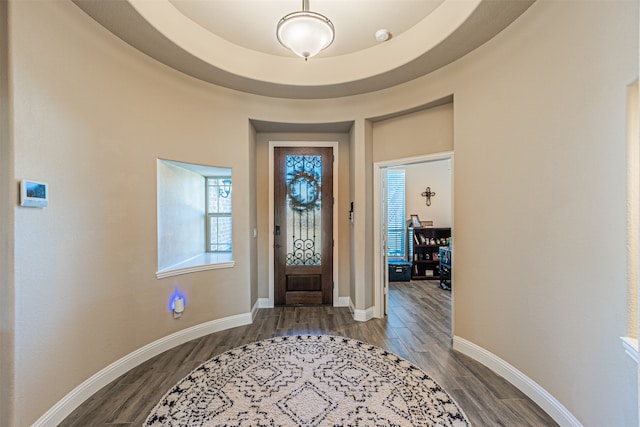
[{"x": 303, "y": 225}]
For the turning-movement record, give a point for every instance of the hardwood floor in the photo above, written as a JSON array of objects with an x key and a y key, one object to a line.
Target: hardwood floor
[{"x": 418, "y": 328}]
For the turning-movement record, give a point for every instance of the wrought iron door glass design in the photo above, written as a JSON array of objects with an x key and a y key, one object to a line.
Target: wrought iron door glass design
[{"x": 304, "y": 219}]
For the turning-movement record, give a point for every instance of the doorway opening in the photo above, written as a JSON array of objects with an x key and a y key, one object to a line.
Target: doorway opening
[
  {"x": 334, "y": 298},
  {"x": 303, "y": 225},
  {"x": 419, "y": 173}
]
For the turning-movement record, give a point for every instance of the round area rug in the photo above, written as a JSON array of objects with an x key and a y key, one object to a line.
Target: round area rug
[{"x": 307, "y": 380}]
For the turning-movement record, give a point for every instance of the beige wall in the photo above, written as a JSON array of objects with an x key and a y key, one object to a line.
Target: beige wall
[
  {"x": 253, "y": 209},
  {"x": 361, "y": 172},
  {"x": 352, "y": 230},
  {"x": 91, "y": 117},
  {"x": 427, "y": 131},
  {"x": 540, "y": 128},
  {"x": 539, "y": 131},
  {"x": 633, "y": 207},
  {"x": 437, "y": 176},
  {"x": 423, "y": 132},
  {"x": 7, "y": 202}
]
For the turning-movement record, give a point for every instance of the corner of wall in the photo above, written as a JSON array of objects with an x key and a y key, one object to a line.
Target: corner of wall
[
  {"x": 8, "y": 194},
  {"x": 81, "y": 393},
  {"x": 525, "y": 384},
  {"x": 253, "y": 216}
]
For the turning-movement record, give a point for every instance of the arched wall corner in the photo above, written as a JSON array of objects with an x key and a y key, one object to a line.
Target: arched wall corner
[
  {"x": 361, "y": 190},
  {"x": 92, "y": 385},
  {"x": 533, "y": 390}
]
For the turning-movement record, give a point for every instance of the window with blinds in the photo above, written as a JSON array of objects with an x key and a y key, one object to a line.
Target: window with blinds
[{"x": 396, "y": 229}]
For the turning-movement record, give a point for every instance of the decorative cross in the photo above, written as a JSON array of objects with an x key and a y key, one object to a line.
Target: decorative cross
[{"x": 428, "y": 194}]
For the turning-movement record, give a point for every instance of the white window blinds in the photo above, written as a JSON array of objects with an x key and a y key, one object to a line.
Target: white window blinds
[{"x": 396, "y": 229}]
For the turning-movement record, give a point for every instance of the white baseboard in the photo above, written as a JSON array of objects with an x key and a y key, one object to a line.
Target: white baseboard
[
  {"x": 254, "y": 310},
  {"x": 361, "y": 315},
  {"x": 265, "y": 303},
  {"x": 342, "y": 302},
  {"x": 525, "y": 384},
  {"x": 630, "y": 347},
  {"x": 77, "y": 396}
]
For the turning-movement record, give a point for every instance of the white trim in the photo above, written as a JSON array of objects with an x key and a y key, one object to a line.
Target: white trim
[
  {"x": 342, "y": 302},
  {"x": 361, "y": 315},
  {"x": 265, "y": 303},
  {"x": 335, "y": 146},
  {"x": 378, "y": 280},
  {"x": 525, "y": 384},
  {"x": 254, "y": 310},
  {"x": 178, "y": 271},
  {"x": 78, "y": 395},
  {"x": 630, "y": 347}
]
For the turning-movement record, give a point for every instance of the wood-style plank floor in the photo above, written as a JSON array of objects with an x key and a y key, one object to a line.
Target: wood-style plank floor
[{"x": 418, "y": 328}]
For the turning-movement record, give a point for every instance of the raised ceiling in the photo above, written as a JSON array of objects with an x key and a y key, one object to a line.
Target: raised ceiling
[
  {"x": 232, "y": 43},
  {"x": 252, "y": 23}
]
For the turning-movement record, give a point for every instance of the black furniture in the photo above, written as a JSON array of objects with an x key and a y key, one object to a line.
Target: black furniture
[
  {"x": 399, "y": 270},
  {"x": 445, "y": 268},
  {"x": 424, "y": 251}
]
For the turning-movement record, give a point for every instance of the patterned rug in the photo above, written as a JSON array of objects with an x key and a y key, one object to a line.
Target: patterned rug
[{"x": 307, "y": 381}]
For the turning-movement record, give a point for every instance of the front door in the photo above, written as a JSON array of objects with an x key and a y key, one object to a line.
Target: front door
[{"x": 303, "y": 225}]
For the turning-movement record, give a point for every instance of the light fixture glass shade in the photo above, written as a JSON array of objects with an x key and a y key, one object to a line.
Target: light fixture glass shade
[{"x": 305, "y": 33}]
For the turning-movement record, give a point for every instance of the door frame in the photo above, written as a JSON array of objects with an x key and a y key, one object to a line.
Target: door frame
[
  {"x": 380, "y": 270},
  {"x": 334, "y": 145}
]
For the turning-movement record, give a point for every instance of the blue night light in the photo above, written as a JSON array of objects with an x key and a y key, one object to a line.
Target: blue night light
[{"x": 176, "y": 295}]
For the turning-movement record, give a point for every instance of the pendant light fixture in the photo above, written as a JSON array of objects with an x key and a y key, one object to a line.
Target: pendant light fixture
[{"x": 305, "y": 33}]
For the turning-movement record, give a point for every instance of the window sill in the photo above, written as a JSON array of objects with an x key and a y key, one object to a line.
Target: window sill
[
  {"x": 202, "y": 262},
  {"x": 631, "y": 347}
]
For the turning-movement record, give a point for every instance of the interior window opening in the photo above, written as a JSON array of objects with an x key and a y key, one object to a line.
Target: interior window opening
[{"x": 195, "y": 221}]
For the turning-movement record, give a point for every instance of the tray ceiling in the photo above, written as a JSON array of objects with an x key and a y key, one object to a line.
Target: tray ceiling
[{"x": 232, "y": 43}]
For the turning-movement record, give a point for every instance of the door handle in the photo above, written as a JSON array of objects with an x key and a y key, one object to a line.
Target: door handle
[{"x": 277, "y": 232}]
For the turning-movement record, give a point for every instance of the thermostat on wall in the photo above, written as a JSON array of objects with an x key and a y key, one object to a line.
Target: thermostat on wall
[{"x": 34, "y": 194}]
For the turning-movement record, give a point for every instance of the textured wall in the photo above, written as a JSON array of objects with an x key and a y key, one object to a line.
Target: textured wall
[
  {"x": 540, "y": 150},
  {"x": 540, "y": 142},
  {"x": 423, "y": 132},
  {"x": 8, "y": 192}
]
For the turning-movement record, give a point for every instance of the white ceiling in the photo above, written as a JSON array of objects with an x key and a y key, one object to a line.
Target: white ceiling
[
  {"x": 232, "y": 43},
  {"x": 252, "y": 23}
]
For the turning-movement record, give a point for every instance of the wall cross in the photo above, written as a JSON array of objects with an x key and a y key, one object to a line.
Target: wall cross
[{"x": 428, "y": 194}]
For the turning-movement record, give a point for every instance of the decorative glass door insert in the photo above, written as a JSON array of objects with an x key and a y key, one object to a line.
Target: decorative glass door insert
[
  {"x": 303, "y": 225},
  {"x": 304, "y": 209}
]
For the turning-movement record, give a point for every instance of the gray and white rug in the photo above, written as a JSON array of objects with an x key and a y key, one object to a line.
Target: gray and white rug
[{"x": 307, "y": 380}]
